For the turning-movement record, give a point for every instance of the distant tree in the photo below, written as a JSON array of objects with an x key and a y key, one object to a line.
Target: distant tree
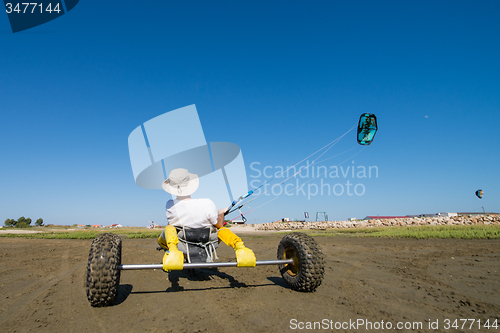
[
  {"x": 10, "y": 223},
  {"x": 39, "y": 222},
  {"x": 23, "y": 222}
]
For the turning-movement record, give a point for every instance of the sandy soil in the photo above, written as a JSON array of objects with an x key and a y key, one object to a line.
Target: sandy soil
[
  {"x": 17, "y": 231},
  {"x": 42, "y": 288}
]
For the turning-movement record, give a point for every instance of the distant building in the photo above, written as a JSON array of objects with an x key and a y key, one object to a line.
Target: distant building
[
  {"x": 447, "y": 214},
  {"x": 384, "y": 217}
]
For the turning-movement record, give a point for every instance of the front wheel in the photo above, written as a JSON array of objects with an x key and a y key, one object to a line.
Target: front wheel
[
  {"x": 308, "y": 268},
  {"x": 103, "y": 275}
]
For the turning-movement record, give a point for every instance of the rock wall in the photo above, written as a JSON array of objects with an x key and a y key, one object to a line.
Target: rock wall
[{"x": 437, "y": 220}]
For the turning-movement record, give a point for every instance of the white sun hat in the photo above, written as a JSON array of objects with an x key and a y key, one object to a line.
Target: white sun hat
[{"x": 181, "y": 183}]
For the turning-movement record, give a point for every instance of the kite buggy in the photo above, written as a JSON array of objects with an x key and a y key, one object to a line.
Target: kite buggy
[{"x": 300, "y": 262}]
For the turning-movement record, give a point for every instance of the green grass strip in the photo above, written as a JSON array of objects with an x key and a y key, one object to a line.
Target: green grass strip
[
  {"x": 88, "y": 234},
  {"x": 418, "y": 232}
]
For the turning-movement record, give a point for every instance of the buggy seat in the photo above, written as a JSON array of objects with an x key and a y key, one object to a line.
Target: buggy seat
[{"x": 198, "y": 244}]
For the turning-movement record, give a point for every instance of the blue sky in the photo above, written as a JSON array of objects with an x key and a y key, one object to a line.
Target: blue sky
[{"x": 279, "y": 78}]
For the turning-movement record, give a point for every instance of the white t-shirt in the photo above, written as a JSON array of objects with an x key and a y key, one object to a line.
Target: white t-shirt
[{"x": 193, "y": 213}]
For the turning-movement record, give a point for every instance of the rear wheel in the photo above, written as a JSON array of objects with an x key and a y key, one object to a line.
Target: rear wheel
[
  {"x": 308, "y": 268},
  {"x": 103, "y": 275}
]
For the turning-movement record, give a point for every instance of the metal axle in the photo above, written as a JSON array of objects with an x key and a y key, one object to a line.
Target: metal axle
[{"x": 207, "y": 264}]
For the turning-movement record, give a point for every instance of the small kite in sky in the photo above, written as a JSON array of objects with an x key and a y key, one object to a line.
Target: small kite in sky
[{"x": 367, "y": 127}]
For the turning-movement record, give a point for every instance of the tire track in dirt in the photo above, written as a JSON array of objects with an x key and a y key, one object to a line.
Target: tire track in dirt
[
  {"x": 451, "y": 278},
  {"x": 34, "y": 301},
  {"x": 354, "y": 297}
]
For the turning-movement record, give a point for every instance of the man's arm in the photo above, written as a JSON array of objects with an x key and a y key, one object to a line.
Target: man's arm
[{"x": 220, "y": 218}]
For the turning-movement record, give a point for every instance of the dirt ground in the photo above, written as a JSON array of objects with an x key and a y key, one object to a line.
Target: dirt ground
[{"x": 390, "y": 280}]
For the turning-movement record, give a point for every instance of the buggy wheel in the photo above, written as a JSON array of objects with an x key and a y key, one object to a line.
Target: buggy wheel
[
  {"x": 103, "y": 275},
  {"x": 308, "y": 268}
]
